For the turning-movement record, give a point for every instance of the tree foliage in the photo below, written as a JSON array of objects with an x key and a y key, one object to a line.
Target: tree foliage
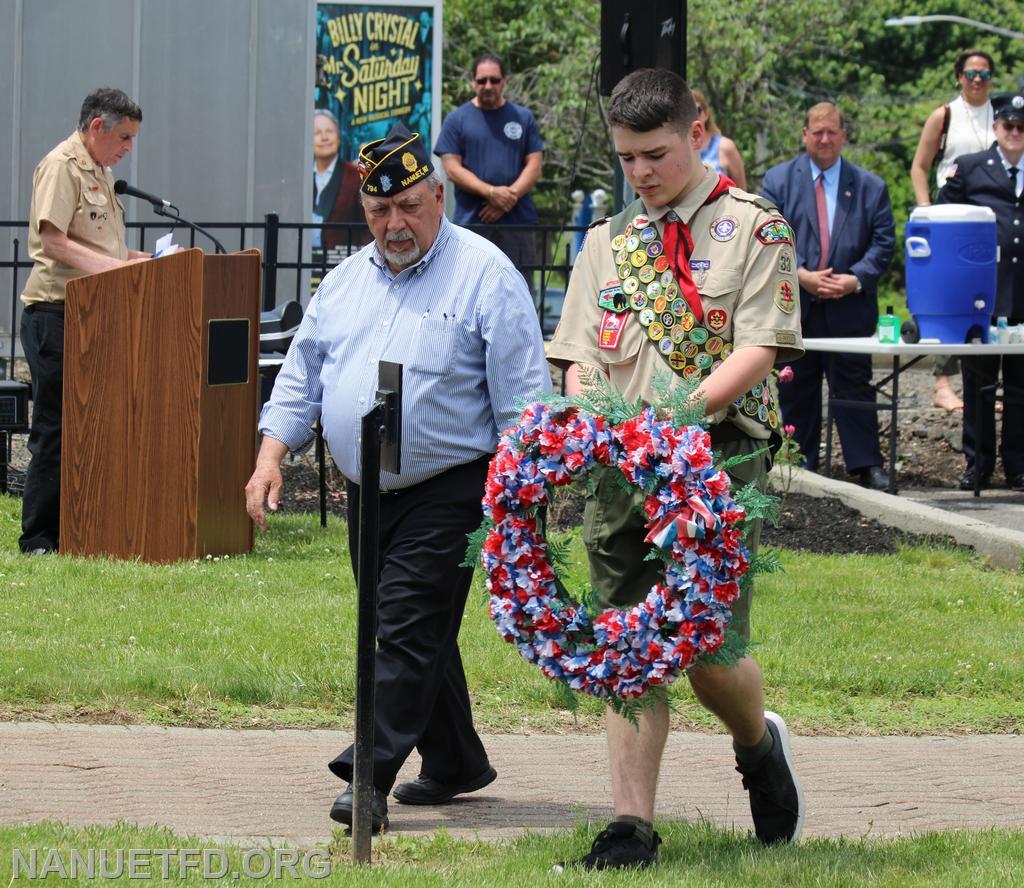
[{"x": 761, "y": 63}]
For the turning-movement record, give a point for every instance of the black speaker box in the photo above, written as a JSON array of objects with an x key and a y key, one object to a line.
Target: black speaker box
[{"x": 641, "y": 34}]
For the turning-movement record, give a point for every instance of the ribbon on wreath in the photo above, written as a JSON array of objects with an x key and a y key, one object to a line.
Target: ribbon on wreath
[{"x": 695, "y": 520}]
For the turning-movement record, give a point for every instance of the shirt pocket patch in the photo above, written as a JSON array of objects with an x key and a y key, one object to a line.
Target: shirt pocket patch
[
  {"x": 434, "y": 349},
  {"x": 721, "y": 283}
]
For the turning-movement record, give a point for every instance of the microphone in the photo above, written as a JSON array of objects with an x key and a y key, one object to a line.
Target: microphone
[{"x": 122, "y": 187}]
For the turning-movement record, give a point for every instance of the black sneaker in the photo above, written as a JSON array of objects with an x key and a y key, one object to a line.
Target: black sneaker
[
  {"x": 617, "y": 847},
  {"x": 776, "y": 799}
]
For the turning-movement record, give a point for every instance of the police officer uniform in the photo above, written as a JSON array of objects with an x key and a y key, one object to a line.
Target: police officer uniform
[
  {"x": 984, "y": 179},
  {"x": 75, "y": 194},
  {"x": 627, "y": 316}
]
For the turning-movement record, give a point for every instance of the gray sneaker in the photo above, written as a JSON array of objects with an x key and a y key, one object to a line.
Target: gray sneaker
[{"x": 776, "y": 799}]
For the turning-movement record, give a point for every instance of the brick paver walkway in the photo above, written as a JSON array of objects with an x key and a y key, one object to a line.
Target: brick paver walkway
[{"x": 253, "y": 785}]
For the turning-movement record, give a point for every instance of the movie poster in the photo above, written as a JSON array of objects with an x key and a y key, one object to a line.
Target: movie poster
[{"x": 374, "y": 66}]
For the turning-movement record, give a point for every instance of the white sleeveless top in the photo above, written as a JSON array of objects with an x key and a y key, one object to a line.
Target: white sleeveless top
[{"x": 970, "y": 130}]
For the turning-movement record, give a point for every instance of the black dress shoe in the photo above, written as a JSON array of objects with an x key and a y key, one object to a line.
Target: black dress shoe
[
  {"x": 427, "y": 791},
  {"x": 874, "y": 478},
  {"x": 1016, "y": 482},
  {"x": 341, "y": 810},
  {"x": 967, "y": 482}
]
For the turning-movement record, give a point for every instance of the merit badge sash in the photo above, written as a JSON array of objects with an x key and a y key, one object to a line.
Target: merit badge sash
[{"x": 663, "y": 295}]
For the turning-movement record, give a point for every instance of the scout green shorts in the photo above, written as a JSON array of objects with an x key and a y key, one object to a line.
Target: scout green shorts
[{"x": 613, "y": 532}]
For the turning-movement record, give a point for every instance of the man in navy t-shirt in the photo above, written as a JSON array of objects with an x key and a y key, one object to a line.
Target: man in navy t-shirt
[{"x": 492, "y": 153}]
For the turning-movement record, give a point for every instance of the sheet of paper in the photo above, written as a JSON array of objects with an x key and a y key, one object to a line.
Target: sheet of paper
[{"x": 164, "y": 246}]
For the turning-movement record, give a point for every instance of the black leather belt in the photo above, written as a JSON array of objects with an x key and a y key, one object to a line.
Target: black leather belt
[{"x": 56, "y": 308}]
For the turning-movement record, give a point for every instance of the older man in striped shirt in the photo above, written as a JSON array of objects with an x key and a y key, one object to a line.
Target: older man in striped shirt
[{"x": 456, "y": 313}]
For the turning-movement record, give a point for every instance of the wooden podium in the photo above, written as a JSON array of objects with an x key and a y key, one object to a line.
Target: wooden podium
[{"x": 160, "y": 408}]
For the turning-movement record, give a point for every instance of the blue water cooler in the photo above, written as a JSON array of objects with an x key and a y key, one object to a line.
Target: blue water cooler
[{"x": 951, "y": 271}]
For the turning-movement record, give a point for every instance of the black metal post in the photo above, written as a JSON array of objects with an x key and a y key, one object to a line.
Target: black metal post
[
  {"x": 366, "y": 635},
  {"x": 381, "y": 446},
  {"x": 270, "y": 233},
  {"x": 321, "y": 470},
  {"x": 893, "y": 428}
]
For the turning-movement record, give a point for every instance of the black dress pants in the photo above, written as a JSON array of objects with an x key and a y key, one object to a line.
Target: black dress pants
[
  {"x": 421, "y": 699},
  {"x": 979, "y": 413},
  {"x": 42, "y": 337}
]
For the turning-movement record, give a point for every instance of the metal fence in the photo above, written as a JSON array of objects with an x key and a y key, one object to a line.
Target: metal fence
[{"x": 290, "y": 267}]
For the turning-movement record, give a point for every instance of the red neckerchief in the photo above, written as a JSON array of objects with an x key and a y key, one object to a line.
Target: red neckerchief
[{"x": 679, "y": 248}]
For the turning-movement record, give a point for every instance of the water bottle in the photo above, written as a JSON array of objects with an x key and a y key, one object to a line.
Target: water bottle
[
  {"x": 1002, "y": 331},
  {"x": 888, "y": 327}
]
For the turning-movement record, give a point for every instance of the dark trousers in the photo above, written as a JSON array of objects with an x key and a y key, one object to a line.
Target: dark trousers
[
  {"x": 42, "y": 337},
  {"x": 421, "y": 700},
  {"x": 520, "y": 247},
  {"x": 985, "y": 371},
  {"x": 849, "y": 378}
]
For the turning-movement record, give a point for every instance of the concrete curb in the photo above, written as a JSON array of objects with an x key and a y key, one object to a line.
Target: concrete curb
[{"x": 1002, "y": 547}]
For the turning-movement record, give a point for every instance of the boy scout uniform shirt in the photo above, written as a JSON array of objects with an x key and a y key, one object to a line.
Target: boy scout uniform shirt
[
  {"x": 746, "y": 285},
  {"x": 76, "y": 195}
]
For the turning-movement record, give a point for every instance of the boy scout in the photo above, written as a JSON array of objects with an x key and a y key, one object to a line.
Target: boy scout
[
  {"x": 76, "y": 227},
  {"x": 699, "y": 277}
]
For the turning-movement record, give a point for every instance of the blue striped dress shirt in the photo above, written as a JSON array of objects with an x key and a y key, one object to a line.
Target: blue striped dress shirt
[{"x": 462, "y": 324}]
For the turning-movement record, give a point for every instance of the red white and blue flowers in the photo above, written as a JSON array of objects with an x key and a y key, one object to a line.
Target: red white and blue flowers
[{"x": 692, "y": 519}]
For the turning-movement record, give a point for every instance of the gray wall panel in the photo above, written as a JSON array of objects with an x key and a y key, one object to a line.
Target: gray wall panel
[{"x": 9, "y": 38}]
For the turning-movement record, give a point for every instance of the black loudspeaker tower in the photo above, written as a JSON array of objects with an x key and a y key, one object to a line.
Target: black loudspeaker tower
[{"x": 641, "y": 34}]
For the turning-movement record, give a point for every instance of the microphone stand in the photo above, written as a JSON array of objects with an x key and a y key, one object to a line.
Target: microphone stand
[{"x": 176, "y": 216}]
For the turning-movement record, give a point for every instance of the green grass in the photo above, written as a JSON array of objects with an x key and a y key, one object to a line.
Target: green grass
[
  {"x": 693, "y": 855},
  {"x": 924, "y": 641}
]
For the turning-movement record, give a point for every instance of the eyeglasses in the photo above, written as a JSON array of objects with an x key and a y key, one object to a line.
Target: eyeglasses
[
  {"x": 701, "y": 109},
  {"x": 1017, "y": 126},
  {"x": 971, "y": 74},
  {"x": 483, "y": 81}
]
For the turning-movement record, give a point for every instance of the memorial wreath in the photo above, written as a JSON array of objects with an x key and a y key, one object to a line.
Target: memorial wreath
[{"x": 695, "y": 526}]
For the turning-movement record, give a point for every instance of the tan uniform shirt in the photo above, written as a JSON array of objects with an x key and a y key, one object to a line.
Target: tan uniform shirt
[
  {"x": 76, "y": 195},
  {"x": 748, "y": 290}
]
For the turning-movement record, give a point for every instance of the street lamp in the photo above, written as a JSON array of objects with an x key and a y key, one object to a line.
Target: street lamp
[{"x": 914, "y": 20}]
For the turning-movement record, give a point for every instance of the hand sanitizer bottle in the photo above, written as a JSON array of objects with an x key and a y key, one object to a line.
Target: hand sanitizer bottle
[{"x": 888, "y": 328}]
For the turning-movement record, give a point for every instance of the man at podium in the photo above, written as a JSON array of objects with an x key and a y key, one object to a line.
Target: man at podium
[
  {"x": 454, "y": 311},
  {"x": 76, "y": 227}
]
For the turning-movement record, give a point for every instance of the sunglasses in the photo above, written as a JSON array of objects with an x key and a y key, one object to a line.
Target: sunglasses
[
  {"x": 1017, "y": 126},
  {"x": 974, "y": 75},
  {"x": 483, "y": 81}
]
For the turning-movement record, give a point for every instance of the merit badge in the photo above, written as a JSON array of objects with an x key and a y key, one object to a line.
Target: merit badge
[
  {"x": 714, "y": 345},
  {"x": 724, "y": 228},
  {"x": 677, "y": 360},
  {"x": 726, "y": 350},
  {"x": 677, "y": 334},
  {"x": 646, "y": 274},
  {"x": 785, "y": 262},
  {"x": 655, "y": 331},
  {"x": 665, "y": 346},
  {"x": 668, "y": 320},
  {"x": 699, "y": 268},
  {"x": 692, "y": 372},
  {"x": 750, "y": 407},
  {"x": 654, "y": 289},
  {"x": 625, "y": 270},
  {"x": 704, "y": 360},
  {"x": 656, "y": 249},
  {"x": 619, "y": 242},
  {"x": 688, "y": 321},
  {"x": 774, "y": 231},
  {"x": 647, "y": 235},
  {"x": 660, "y": 266},
  {"x": 630, "y": 285},
  {"x": 641, "y": 221},
  {"x": 678, "y": 305},
  {"x": 762, "y": 413},
  {"x": 783, "y": 297},
  {"x": 638, "y": 301},
  {"x": 647, "y": 317},
  {"x": 773, "y": 419},
  {"x": 612, "y": 298},
  {"x": 621, "y": 256},
  {"x": 757, "y": 389},
  {"x": 638, "y": 258},
  {"x": 717, "y": 318},
  {"x": 612, "y": 325},
  {"x": 660, "y": 304},
  {"x": 699, "y": 335},
  {"x": 690, "y": 350},
  {"x": 632, "y": 243},
  {"x": 671, "y": 290}
]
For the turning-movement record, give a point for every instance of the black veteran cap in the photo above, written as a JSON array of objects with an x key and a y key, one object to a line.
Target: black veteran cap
[
  {"x": 1008, "y": 106},
  {"x": 394, "y": 163}
]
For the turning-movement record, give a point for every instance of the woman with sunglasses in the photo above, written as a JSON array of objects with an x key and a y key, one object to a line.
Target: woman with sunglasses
[
  {"x": 716, "y": 150},
  {"x": 963, "y": 126}
]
